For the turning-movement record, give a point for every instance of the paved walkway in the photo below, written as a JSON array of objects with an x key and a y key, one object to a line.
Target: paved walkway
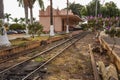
[{"x": 14, "y": 36}]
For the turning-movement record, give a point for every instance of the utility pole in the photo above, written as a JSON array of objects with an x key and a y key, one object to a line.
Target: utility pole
[
  {"x": 67, "y": 26},
  {"x": 51, "y": 20}
]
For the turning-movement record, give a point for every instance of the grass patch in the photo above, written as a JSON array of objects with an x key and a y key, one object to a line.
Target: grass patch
[
  {"x": 39, "y": 59},
  {"x": 22, "y": 41}
]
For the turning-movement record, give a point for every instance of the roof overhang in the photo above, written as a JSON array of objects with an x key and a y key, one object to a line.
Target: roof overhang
[
  {"x": 71, "y": 17},
  {"x": 74, "y": 18}
]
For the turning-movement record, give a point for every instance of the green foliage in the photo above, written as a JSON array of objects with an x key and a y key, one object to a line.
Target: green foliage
[
  {"x": 76, "y": 8},
  {"x": 35, "y": 28},
  {"x": 0, "y": 23},
  {"x": 91, "y": 7},
  {"x": 108, "y": 10},
  {"x": 84, "y": 26},
  {"x": 22, "y": 20},
  {"x": 7, "y": 16},
  {"x": 83, "y": 11},
  {"x": 39, "y": 59},
  {"x": 16, "y": 20},
  {"x": 118, "y": 33},
  {"x": 95, "y": 23},
  {"x": 17, "y": 27},
  {"x": 113, "y": 32}
]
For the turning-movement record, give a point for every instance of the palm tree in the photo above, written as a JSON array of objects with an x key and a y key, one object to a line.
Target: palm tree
[
  {"x": 16, "y": 20},
  {"x": 30, "y": 5},
  {"x": 24, "y": 3},
  {"x": 22, "y": 20},
  {"x": 7, "y": 16},
  {"x": 51, "y": 20},
  {"x": 3, "y": 36}
]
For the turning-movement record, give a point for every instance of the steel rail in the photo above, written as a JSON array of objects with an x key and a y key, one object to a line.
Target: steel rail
[
  {"x": 4, "y": 72},
  {"x": 33, "y": 72}
]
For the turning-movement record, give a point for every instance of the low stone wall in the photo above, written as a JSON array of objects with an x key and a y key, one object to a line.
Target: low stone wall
[
  {"x": 113, "y": 56},
  {"x": 14, "y": 50}
]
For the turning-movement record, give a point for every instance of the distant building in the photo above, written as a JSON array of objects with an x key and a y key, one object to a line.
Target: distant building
[{"x": 59, "y": 19}]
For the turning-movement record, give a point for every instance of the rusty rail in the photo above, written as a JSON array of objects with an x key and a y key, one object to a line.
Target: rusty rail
[{"x": 95, "y": 72}]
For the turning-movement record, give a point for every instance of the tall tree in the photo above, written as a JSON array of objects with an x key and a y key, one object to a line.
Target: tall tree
[
  {"x": 76, "y": 8},
  {"x": 91, "y": 7},
  {"x": 16, "y": 20},
  {"x": 3, "y": 36},
  {"x": 24, "y": 3},
  {"x": 22, "y": 20},
  {"x": 111, "y": 9},
  {"x": 30, "y": 5},
  {"x": 7, "y": 16},
  {"x": 51, "y": 19}
]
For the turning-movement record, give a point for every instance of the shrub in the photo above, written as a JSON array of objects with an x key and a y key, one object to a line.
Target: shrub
[
  {"x": 118, "y": 33},
  {"x": 35, "y": 28},
  {"x": 113, "y": 32},
  {"x": 17, "y": 27},
  {"x": 84, "y": 26}
]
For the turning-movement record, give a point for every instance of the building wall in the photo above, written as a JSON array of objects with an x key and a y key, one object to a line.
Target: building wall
[
  {"x": 57, "y": 24},
  {"x": 45, "y": 21},
  {"x": 59, "y": 19}
]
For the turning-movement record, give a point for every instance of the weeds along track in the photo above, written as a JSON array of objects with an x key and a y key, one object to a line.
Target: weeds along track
[
  {"x": 10, "y": 61},
  {"x": 27, "y": 69},
  {"x": 33, "y": 51}
]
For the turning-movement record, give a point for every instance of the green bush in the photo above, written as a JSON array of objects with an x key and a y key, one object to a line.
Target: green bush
[
  {"x": 17, "y": 27},
  {"x": 35, "y": 28},
  {"x": 113, "y": 32},
  {"x": 84, "y": 26},
  {"x": 118, "y": 33}
]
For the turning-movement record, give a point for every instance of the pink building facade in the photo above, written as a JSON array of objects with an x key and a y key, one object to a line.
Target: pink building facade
[{"x": 59, "y": 19}]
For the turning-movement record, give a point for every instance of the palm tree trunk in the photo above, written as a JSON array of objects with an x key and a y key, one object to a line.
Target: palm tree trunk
[
  {"x": 51, "y": 20},
  {"x": 1, "y": 9},
  {"x": 26, "y": 17},
  {"x": 31, "y": 16},
  {"x": 31, "y": 20},
  {"x": 26, "y": 14},
  {"x": 3, "y": 36}
]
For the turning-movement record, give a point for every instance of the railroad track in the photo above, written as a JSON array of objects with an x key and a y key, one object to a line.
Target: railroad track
[
  {"x": 26, "y": 52},
  {"x": 95, "y": 71},
  {"x": 27, "y": 69},
  {"x": 29, "y": 52},
  {"x": 103, "y": 67},
  {"x": 25, "y": 55}
]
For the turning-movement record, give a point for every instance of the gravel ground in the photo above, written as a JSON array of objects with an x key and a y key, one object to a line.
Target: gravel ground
[{"x": 73, "y": 64}]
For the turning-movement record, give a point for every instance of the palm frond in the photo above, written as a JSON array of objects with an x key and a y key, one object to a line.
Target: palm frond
[{"x": 41, "y": 4}]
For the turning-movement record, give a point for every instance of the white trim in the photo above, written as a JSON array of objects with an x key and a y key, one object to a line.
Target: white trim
[{"x": 52, "y": 30}]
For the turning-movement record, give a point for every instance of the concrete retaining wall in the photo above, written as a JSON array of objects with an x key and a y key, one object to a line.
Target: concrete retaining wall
[{"x": 113, "y": 56}]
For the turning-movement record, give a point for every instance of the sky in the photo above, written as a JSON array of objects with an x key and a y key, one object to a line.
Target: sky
[{"x": 11, "y": 6}]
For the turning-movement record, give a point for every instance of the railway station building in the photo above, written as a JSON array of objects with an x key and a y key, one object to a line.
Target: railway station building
[{"x": 59, "y": 19}]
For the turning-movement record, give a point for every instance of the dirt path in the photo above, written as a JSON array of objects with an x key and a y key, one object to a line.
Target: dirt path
[{"x": 73, "y": 64}]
